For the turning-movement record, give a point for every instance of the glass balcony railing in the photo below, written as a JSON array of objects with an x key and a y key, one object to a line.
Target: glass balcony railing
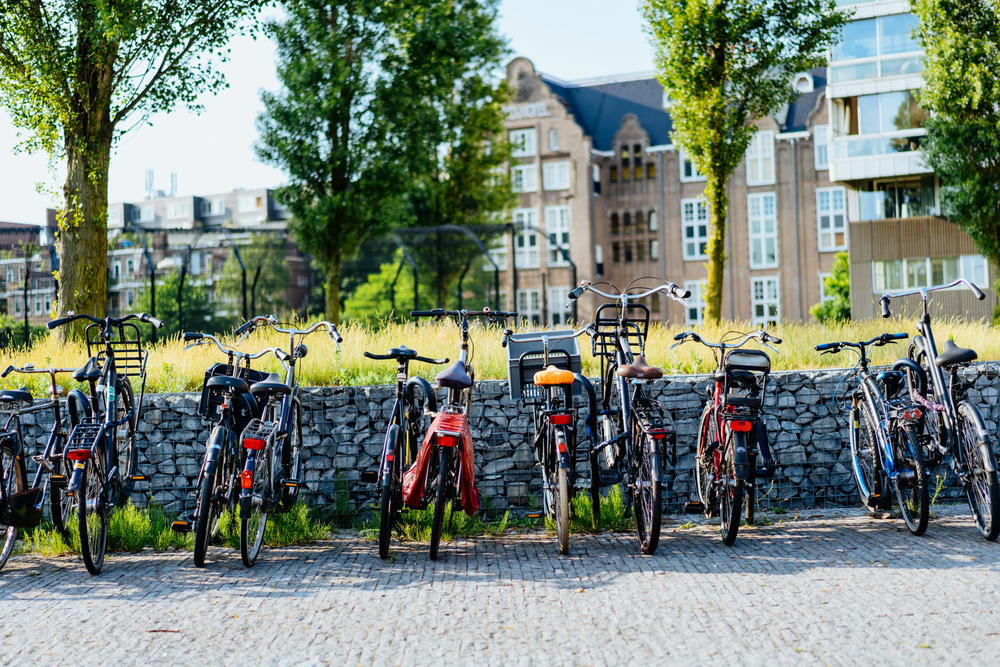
[
  {"x": 877, "y": 68},
  {"x": 870, "y": 145}
]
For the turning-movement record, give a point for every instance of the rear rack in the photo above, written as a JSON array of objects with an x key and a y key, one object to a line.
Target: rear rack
[
  {"x": 259, "y": 430},
  {"x": 85, "y": 433}
]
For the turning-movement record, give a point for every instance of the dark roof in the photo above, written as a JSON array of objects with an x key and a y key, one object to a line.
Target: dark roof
[{"x": 599, "y": 107}]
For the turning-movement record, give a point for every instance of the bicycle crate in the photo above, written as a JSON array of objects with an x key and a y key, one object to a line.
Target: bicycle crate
[
  {"x": 210, "y": 400},
  {"x": 524, "y": 359},
  {"x": 605, "y": 342},
  {"x": 745, "y": 379},
  {"x": 130, "y": 357}
]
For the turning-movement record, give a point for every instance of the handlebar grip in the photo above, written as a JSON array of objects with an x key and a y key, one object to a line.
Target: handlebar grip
[
  {"x": 191, "y": 335},
  {"x": 152, "y": 320},
  {"x": 337, "y": 338},
  {"x": 978, "y": 292},
  {"x": 680, "y": 336},
  {"x": 576, "y": 292},
  {"x": 426, "y": 313},
  {"x": 680, "y": 292},
  {"x": 884, "y": 302},
  {"x": 897, "y": 336},
  {"x": 428, "y": 360},
  {"x": 768, "y": 338},
  {"x": 246, "y": 326},
  {"x": 377, "y": 357},
  {"x": 61, "y": 321},
  {"x": 827, "y": 346},
  {"x": 6, "y": 371}
]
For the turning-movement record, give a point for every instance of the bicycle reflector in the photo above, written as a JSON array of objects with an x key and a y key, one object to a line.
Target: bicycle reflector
[
  {"x": 78, "y": 455},
  {"x": 246, "y": 479},
  {"x": 741, "y": 425},
  {"x": 561, "y": 419},
  {"x": 447, "y": 438},
  {"x": 253, "y": 443},
  {"x": 912, "y": 414}
]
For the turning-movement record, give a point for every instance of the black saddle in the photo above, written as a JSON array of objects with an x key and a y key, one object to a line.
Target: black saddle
[
  {"x": 271, "y": 385},
  {"x": 402, "y": 352},
  {"x": 88, "y": 372},
  {"x": 14, "y": 395},
  {"x": 454, "y": 377},
  {"x": 953, "y": 354},
  {"x": 237, "y": 385},
  {"x": 748, "y": 360}
]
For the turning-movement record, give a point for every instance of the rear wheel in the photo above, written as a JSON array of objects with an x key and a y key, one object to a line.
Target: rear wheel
[
  {"x": 389, "y": 492},
  {"x": 441, "y": 498},
  {"x": 911, "y": 489},
  {"x": 731, "y": 492},
  {"x": 703, "y": 463},
  {"x": 647, "y": 499},
  {"x": 92, "y": 510},
  {"x": 254, "y": 509},
  {"x": 128, "y": 454},
  {"x": 208, "y": 510},
  {"x": 561, "y": 492},
  {"x": 14, "y": 481},
  {"x": 979, "y": 466},
  {"x": 865, "y": 436}
]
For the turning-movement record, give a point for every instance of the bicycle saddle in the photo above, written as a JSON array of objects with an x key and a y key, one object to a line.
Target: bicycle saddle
[
  {"x": 236, "y": 384},
  {"x": 89, "y": 371},
  {"x": 270, "y": 385},
  {"x": 749, "y": 360},
  {"x": 454, "y": 377},
  {"x": 553, "y": 376},
  {"x": 402, "y": 352},
  {"x": 953, "y": 354},
  {"x": 640, "y": 370},
  {"x": 12, "y": 395}
]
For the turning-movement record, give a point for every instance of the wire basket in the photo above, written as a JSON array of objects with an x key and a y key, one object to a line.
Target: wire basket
[{"x": 130, "y": 357}]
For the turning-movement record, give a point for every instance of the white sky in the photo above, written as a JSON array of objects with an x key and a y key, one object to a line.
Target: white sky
[{"x": 212, "y": 151}]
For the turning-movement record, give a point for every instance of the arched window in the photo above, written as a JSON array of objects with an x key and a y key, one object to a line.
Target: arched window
[
  {"x": 614, "y": 223},
  {"x": 653, "y": 223},
  {"x": 638, "y": 222},
  {"x": 627, "y": 223}
]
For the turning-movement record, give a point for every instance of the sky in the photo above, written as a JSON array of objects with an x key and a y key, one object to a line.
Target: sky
[{"x": 213, "y": 151}]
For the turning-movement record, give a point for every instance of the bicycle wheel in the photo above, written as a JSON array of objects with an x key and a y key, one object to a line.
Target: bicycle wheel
[
  {"x": 750, "y": 492},
  {"x": 62, "y": 507},
  {"x": 933, "y": 419},
  {"x": 254, "y": 509},
  {"x": 208, "y": 510},
  {"x": 128, "y": 454},
  {"x": 561, "y": 493},
  {"x": 867, "y": 464},
  {"x": 290, "y": 462},
  {"x": 440, "y": 499},
  {"x": 979, "y": 466},
  {"x": 388, "y": 507},
  {"x": 92, "y": 510},
  {"x": 14, "y": 481},
  {"x": 731, "y": 504},
  {"x": 911, "y": 490},
  {"x": 646, "y": 492},
  {"x": 703, "y": 463}
]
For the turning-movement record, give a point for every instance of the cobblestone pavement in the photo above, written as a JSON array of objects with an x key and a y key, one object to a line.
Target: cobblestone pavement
[{"x": 823, "y": 587}]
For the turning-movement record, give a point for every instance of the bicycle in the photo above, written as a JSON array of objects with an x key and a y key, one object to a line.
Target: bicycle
[
  {"x": 270, "y": 479},
  {"x": 436, "y": 473},
  {"x": 406, "y": 428},
  {"x": 227, "y": 393},
  {"x": 885, "y": 432},
  {"x": 731, "y": 429},
  {"x": 102, "y": 447},
  {"x": 549, "y": 390},
  {"x": 954, "y": 423},
  {"x": 21, "y": 504},
  {"x": 634, "y": 429}
]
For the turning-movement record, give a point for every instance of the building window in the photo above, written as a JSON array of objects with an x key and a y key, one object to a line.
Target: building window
[
  {"x": 147, "y": 213},
  {"x": 613, "y": 174},
  {"x": 654, "y": 249},
  {"x": 522, "y": 142},
  {"x": 526, "y": 238},
  {"x": 625, "y": 154},
  {"x": 195, "y": 264},
  {"x": 917, "y": 272},
  {"x": 556, "y": 301},
  {"x": 553, "y": 140},
  {"x": 117, "y": 270},
  {"x": 627, "y": 223},
  {"x": 650, "y": 170},
  {"x": 498, "y": 252},
  {"x": 129, "y": 298},
  {"x": 639, "y": 226},
  {"x": 760, "y": 159},
  {"x": 524, "y": 178},
  {"x": 765, "y": 302},
  {"x": 38, "y": 305},
  {"x": 651, "y": 221},
  {"x": 640, "y": 251},
  {"x": 877, "y": 47},
  {"x": 694, "y": 228},
  {"x": 595, "y": 174},
  {"x": 628, "y": 252},
  {"x": 131, "y": 267},
  {"x": 897, "y": 199},
  {"x": 689, "y": 172},
  {"x": 884, "y": 112},
  {"x": 823, "y": 296},
  {"x": 616, "y": 252},
  {"x": 599, "y": 259},
  {"x": 695, "y": 311},
  {"x": 614, "y": 223},
  {"x": 555, "y": 175},
  {"x": 557, "y": 226},
  {"x": 248, "y": 203},
  {"x": 177, "y": 209},
  {"x": 821, "y": 141},
  {"x": 763, "y": 221},
  {"x": 17, "y": 305},
  {"x": 831, "y": 219},
  {"x": 974, "y": 269},
  {"x": 529, "y": 305}
]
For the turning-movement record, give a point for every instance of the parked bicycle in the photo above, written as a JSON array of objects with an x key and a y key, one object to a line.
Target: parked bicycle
[
  {"x": 102, "y": 447},
  {"x": 731, "y": 429},
  {"x": 886, "y": 428},
  {"x": 270, "y": 479},
  {"x": 634, "y": 430},
  {"x": 22, "y": 504},
  {"x": 438, "y": 473},
  {"x": 952, "y": 421},
  {"x": 228, "y": 397},
  {"x": 415, "y": 401}
]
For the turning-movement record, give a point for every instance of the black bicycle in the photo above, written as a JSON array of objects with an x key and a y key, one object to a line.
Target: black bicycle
[
  {"x": 227, "y": 398},
  {"x": 270, "y": 479},
  {"x": 953, "y": 422},
  {"x": 103, "y": 447},
  {"x": 415, "y": 401},
  {"x": 886, "y": 432},
  {"x": 22, "y": 504},
  {"x": 635, "y": 430}
]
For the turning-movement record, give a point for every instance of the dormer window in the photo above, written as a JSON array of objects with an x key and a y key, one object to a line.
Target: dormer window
[{"x": 803, "y": 83}]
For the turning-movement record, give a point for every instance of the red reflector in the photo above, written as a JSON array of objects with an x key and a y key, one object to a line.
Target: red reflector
[
  {"x": 246, "y": 479},
  {"x": 561, "y": 420},
  {"x": 446, "y": 440},
  {"x": 78, "y": 455},
  {"x": 740, "y": 425},
  {"x": 390, "y": 457},
  {"x": 658, "y": 436},
  {"x": 253, "y": 443},
  {"x": 562, "y": 447},
  {"x": 912, "y": 414}
]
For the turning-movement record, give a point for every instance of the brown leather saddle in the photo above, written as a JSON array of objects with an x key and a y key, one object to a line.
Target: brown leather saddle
[{"x": 640, "y": 370}]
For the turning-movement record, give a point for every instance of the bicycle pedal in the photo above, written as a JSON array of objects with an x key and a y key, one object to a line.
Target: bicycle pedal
[
  {"x": 291, "y": 483},
  {"x": 534, "y": 515},
  {"x": 694, "y": 507},
  {"x": 181, "y": 526},
  {"x": 139, "y": 478},
  {"x": 369, "y": 476},
  {"x": 58, "y": 481}
]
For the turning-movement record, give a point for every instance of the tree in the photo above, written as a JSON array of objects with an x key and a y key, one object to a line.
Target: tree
[
  {"x": 724, "y": 64},
  {"x": 961, "y": 41},
  {"x": 387, "y": 294},
  {"x": 77, "y": 73},
  {"x": 198, "y": 309},
  {"x": 837, "y": 289},
  {"x": 267, "y": 275},
  {"x": 358, "y": 121}
]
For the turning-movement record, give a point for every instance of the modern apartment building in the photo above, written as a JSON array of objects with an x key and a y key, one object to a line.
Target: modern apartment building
[{"x": 898, "y": 239}]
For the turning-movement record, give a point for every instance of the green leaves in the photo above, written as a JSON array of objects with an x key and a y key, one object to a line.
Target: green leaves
[{"x": 837, "y": 287}]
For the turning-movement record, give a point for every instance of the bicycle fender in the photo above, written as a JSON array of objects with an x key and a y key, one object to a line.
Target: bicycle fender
[
  {"x": 425, "y": 386},
  {"x": 213, "y": 449},
  {"x": 741, "y": 458}
]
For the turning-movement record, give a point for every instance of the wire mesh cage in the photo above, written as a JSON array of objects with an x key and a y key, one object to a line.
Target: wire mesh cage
[{"x": 125, "y": 344}]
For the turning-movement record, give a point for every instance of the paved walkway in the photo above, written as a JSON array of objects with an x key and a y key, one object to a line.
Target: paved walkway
[{"x": 825, "y": 587}]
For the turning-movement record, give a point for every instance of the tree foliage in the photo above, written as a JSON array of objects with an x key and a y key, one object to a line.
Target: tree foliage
[
  {"x": 197, "y": 311},
  {"x": 963, "y": 92},
  {"x": 724, "y": 64},
  {"x": 371, "y": 92},
  {"x": 387, "y": 295},
  {"x": 267, "y": 276},
  {"x": 837, "y": 289}
]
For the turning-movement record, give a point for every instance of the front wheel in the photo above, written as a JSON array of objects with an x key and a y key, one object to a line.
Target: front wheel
[
  {"x": 128, "y": 454},
  {"x": 646, "y": 498},
  {"x": 731, "y": 493},
  {"x": 254, "y": 507},
  {"x": 703, "y": 462},
  {"x": 911, "y": 488},
  {"x": 866, "y": 440},
  {"x": 207, "y": 521},
  {"x": 92, "y": 510},
  {"x": 561, "y": 500},
  {"x": 388, "y": 507},
  {"x": 14, "y": 481},
  {"x": 979, "y": 469},
  {"x": 440, "y": 499}
]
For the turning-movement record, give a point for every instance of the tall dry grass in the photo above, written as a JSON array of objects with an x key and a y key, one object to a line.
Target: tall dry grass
[{"x": 171, "y": 368}]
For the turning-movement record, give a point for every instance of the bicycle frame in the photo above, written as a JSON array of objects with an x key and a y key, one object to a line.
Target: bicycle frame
[{"x": 405, "y": 388}]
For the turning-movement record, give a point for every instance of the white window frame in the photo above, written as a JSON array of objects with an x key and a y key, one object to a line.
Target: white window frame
[
  {"x": 556, "y": 300},
  {"x": 697, "y": 204},
  {"x": 821, "y": 147},
  {"x": 971, "y": 266},
  {"x": 498, "y": 249},
  {"x": 147, "y": 213},
  {"x": 557, "y": 231},
  {"x": 823, "y": 296},
  {"x": 130, "y": 264},
  {"x": 526, "y": 250},
  {"x": 762, "y": 230},
  {"x": 529, "y": 305},
  {"x": 556, "y": 175},
  {"x": 695, "y": 302},
  {"x": 654, "y": 250},
  {"x": 178, "y": 210},
  {"x": 825, "y": 239},
  {"x": 553, "y": 140},
  {"x": 695, "y": 176},
  {"x": 652, "y": 221},
  {"x": 760, "y": 159},
  {"x": 248, "y": 203},
  {"x": 524, "y": 178},
  {"x": 523, "y": 142},
  {"x": 764, "y": 301}
]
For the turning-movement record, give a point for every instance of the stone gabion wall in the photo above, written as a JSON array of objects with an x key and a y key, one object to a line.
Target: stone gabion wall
[{"x": 343, "y": 430}]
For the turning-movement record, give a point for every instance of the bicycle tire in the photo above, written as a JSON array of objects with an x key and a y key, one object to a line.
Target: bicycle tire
[
  {"x": 440, "y": 499},
  {"x": 62, "y": 508},
  {"x": 291, "y": 458},
  {"x": 208, "y": 513},
  {"x": 92, "y": 510},
  {"x": 750, "y": 494},
  {"x": 731, "y": 500},
  {"x": 595, "y": 490},
  {"x": 14, "y": 481},
  {"x": 702, "y": 473},
  {"x": 913, "y": 499},
  {"x": 981, "y": 488},
  {"x": 125, "y": 444},
  {"x": 254, "y": 512},
  {"x": 562, "y": 494},
  {"x": 647, "y": 494},
  {"x": 933, "y": 420},
  {"x": 389, "y": 493},
  {"x": 865, "y": 459}
]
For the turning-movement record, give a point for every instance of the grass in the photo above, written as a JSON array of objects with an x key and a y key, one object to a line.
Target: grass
[
  {"x": 170, "y": 369},
  {"x": 299, "y": 525}
]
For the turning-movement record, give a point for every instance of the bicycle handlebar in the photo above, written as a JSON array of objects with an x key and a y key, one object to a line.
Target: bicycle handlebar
[
  {"x": 250, "y": 325},
  {"x": 440, "y": 312},
  {"x": 877, "y": 341},
  {"x": 386, "y": 357},
  {"x": 760, "y": 335},
  {"x": 543, "y": 337},
  {"x": 200, "y": 338},
  {"x": 672, "y": 290},
  {"x": 922, "y": 291},
  {"x": 29, "y": 369},
  {"x": 111, "y": 321}
]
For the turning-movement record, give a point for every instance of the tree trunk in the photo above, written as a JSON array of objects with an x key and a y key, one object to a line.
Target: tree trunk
[
  {"x": 83, "y": 232},
  {"x": 332, "y": 277},
  {"x": 718, "y": 203}
]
